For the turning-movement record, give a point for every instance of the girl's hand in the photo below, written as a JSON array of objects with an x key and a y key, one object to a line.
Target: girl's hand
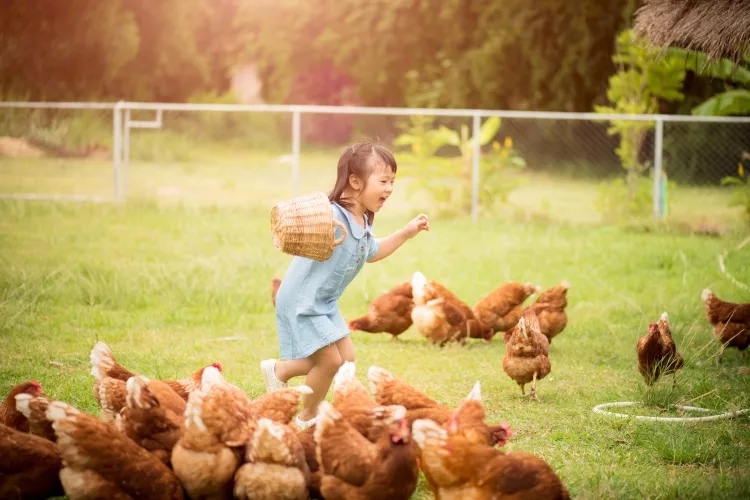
[{"x": 417, "y": 224}]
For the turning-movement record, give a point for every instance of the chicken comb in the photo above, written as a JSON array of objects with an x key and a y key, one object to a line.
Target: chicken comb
[{"x": 217, "y": 365}]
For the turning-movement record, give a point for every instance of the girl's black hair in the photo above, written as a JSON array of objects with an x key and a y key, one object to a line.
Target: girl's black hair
[{"x": 359, "y": 159}]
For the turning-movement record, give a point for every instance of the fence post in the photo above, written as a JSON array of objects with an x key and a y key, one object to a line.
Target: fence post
[
  {"x": 125, "y": 155},
  {"x": 295, "y": 151},
  {"x": 475, "y": 168},
  {"x": 117, "y": 146},
  {"x": 658, "y": 156}
]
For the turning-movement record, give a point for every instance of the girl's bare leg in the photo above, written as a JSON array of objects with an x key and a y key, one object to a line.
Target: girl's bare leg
[
  {"x": 327, "y": 362},
  {"x": 290, "y": 368},
  {"x": 346, "y": 349}
]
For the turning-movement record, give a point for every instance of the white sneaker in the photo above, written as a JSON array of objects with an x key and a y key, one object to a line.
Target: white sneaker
[
  {"x": 268, "y": 369},
  {"x": 304, "y": 424}
]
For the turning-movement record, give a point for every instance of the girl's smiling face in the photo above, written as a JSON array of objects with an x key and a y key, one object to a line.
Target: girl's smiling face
[
  {"x": 378, "y": 188},
  {"x": 372, "y": 194}
]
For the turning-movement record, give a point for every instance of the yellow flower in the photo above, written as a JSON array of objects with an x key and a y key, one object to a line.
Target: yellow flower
[
  {"x": 495, "y": 145},
  {"x": 504, "y": 154},
  {"x": 740, "y": 170},
  {"x": 415, "y": 149},
  {"x": 508, "y": 143}
]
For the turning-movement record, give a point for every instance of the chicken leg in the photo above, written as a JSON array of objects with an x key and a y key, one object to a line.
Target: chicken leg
[
  {"x": 532, "y": 394},
  {"x": 523, "y": 391}
]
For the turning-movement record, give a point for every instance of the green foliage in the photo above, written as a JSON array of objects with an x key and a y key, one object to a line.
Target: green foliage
[
  {"x": 66, "y": 50},
  {"x": 437, "y": 176},
  {"x": 741, "y": 191},
  {"x": 497, "y": 169},
  {"x": 134, "y": 50},
  {"x": 641, "y": 81},
  {"x": 730, "y": 102}
]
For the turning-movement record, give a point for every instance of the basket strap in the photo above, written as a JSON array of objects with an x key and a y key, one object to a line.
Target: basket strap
[{"x": 341, "y": 225}]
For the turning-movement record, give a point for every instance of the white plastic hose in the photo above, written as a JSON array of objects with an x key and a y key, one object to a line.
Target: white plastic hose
[{"x": 722, "y": 416}]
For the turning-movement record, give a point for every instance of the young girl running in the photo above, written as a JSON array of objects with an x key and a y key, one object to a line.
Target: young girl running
[{"x": 313, "y": 336}]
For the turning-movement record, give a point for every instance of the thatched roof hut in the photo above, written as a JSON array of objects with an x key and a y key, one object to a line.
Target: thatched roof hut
[{"x": 721, "y": 28}]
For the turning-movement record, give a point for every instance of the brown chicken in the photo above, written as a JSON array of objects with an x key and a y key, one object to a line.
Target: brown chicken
[
  {"x": 502, "y": 308},
  {"x": 275, "y": 284},
  {"x": 355, "y": 469},
  {"x": 440, "y": 322},
  {"x": 99, "y": 462},
  {"x": 390, "y": 390},
  {"x": 104, "y": 364},
  {"x": 9, "y": 415},
  {"x": 111, "y": 394},
  {"x": 389, "y": 313},
  {"x": 356, "y": 406},
  {"x": 550, "y": 310},
  {"x": 34, "y": 408},
  {"x": 526, "y": 352},
  {"x": 731, "y": 322},
  {"x": 153, "y": 416},
  {"x": 457, "y": 468},
  {"x": 281, "y": 405},
  {"x": 306, "y": 439},
  {"x": 657, "y": 352},
  {"x": 275, "y": 468},
  {"x": 424, "y": 291},
  {"x": 218, "y": 424},
  {"x": 29, "y": 466},
  {"x": 351, "y": 399}
]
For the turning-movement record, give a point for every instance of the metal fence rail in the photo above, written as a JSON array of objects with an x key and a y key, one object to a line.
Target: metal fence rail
[{"x": 123, "y": 124}]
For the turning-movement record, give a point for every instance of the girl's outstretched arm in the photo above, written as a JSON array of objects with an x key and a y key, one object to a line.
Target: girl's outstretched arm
[{"x": 390, "y": 243}]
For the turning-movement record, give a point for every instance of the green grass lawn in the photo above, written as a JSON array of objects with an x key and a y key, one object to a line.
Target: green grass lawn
[{"x": 171, "y": 287}]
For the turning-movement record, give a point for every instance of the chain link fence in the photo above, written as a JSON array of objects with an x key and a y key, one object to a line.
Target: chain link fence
[{"x": 553, "y": 167}]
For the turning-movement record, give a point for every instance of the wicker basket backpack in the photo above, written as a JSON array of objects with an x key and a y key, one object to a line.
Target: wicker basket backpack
[{"x": 304, "y": 226}]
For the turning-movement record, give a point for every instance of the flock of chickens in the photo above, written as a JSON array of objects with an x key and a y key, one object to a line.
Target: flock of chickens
[
  {"x": 204, "y": 438},
  {"x": 441, "y": 317}
]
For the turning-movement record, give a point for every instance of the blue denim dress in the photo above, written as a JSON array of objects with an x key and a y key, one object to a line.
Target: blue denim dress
[{"x": 307, "y": 312}]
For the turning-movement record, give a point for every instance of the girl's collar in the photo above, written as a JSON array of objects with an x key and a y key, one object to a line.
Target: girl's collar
[{"x": 354, "y": 226}]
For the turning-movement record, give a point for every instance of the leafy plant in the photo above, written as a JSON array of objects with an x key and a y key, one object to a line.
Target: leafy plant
[
  {"x": 733, "y": 101},
  {"x": 496, "y": 182},
  {"x": 641, "y": 81},
  {"x": 436, "y": 175},
  {"x": 741, "y": 183}
]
